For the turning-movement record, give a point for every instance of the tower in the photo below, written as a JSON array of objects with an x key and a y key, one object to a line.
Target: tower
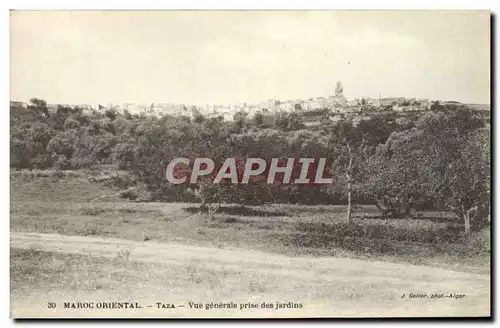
[{"x": 339, "y": 90}]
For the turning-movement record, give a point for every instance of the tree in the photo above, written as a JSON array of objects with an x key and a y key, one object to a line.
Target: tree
[
  {"x": 198, "y": 118},
  {"x": 258, "y": 119},
  {"x": 63, "y": 143},
  {"x": 468, "y": 181},
  {"x": 38, "y": 102},
  {"x": 123, "y": 155},
  {"x": 288, "y": 121},
  {"x": 40, "y": 105},
  {"x": 349, "y": 147},
  {"x": 377, "y": 129},
  {"x": 111, "y": 114},
  {"x": 240, "y": 115},
  {"x": 392, "y": 177},
  {"x": 71, "y": 123},
  {"x": 28, "y": 143},
  {"x": 459, "y": 142},
  {"x": 127, "y": 115},
  {"x": 102, "y": 147},
  {"x": 444, "y": 159}
]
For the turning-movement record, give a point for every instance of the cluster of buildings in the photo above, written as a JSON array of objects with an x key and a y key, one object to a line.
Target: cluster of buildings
[{"x": 336, "y": 104}]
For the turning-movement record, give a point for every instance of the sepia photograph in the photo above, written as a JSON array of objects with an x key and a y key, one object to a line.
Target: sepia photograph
[{"x": 250, "y": 164}]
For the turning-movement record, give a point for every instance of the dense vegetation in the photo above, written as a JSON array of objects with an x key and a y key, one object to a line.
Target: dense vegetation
[{"x": 440, "y": 159}]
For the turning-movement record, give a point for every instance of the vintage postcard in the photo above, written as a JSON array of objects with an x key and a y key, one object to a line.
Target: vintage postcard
[{"x": 250, "y": 164}]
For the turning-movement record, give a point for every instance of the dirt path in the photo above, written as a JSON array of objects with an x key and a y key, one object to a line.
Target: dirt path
[{"x": 396, "y": 279}]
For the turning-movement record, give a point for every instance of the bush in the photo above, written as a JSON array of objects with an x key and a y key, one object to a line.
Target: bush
[
  {"x": 71, "y": 123},
  {"x": 337, "y": 233},
  {"x": 61, "y": 162},
  {"x": 90, "y": 210},
  {"x": 122, "y": 181},
  {"x": 80, "y": 162},
  {"x": 42, "y": 161},
  {"x": 111, "y": 114}
]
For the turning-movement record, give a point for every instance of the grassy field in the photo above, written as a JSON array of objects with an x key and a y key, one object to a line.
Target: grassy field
[
  {"x": 46, "y": 276},
  {"x": 329, "y": 288},
  {"x": 274, "y": 253},
  {"x": 48, "y": 205}
]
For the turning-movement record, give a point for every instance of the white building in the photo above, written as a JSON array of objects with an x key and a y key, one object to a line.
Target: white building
[
  {"x": 286, "y": 106},
  {"x": 18, "y": 104},
  {"x": 352, "y": 103},
  {"x": 310, "y": 104}
]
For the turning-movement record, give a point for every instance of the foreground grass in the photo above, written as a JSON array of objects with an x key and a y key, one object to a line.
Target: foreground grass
[
  {"x": 33, "y": 270},
  {"x": 341, "y": 290},
  {"x": 61, "y": 206}
]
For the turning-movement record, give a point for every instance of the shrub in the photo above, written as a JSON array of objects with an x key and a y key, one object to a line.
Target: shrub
[
  {"x": 90, "y": 210},
  {"x": 338, "y": 233},
  {"x": 71, "y": 123},
  {"x": 61, "y": 162},
  {"x": 121, "y": 181},
  {"x": 80, "y": 162}
]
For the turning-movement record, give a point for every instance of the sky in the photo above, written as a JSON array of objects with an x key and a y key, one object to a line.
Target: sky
[{"x": 225, "y": 57}]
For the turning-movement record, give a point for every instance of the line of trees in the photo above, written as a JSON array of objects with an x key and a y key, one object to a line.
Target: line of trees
[{"x": 439, "y": 160}]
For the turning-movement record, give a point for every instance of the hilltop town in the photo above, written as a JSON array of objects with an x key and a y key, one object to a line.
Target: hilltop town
[{"x": 336, "y": 103}]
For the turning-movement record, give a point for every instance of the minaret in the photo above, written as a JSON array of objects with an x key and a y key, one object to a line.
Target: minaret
[
  {"x": 339, "y": 94},
  {"x": 339, "y": 90}
]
